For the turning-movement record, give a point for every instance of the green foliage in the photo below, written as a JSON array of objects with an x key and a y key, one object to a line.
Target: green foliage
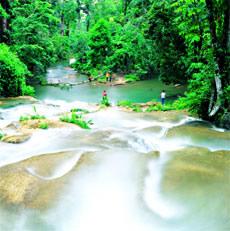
[
  {"x": 83, "y": 111},
  {"x": 102, "y": 79},
  {"x": 24, "y": 118},
  {"x": 168, "y": 46},
  {"x": 105, "y": 101},
  {"x": 3, "y": 12},
  {"x": 227, "y": 94},
  {"x": 99, "y": 43},
  {"x": 160, "y": 107},
  {"x": 181, "y": 104},
  {"x": 1, "y": 136},
  {"x": 76, "y": 119},
  {"x": 124, "y": 103},
  {"x": 131, "y": 78},
  {"x": 181, "y": 41},
  {"x": 43, "y": 125},
  {"x": 61, "y": 45},
  {"x": 31, "y": 33},
  {"x": 128, "y": 104},
  {"x": 31, "y": 117},
  {"x": 13, "y": 74},
  {"x": 35, "y": 116}
]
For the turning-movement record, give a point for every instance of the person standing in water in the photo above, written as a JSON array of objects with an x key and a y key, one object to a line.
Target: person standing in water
[
  {"x": 104, "y": 94},
  {"x": 105, "y": 100},
  {"x": 107, "y": 76},
  {"x": 163, "y": 95}
]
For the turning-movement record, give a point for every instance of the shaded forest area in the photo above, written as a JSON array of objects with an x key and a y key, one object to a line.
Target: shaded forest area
[{"x": 182, "y": 41}]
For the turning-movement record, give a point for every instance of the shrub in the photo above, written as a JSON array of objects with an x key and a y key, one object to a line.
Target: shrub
[
  {"x": 160, "y": 107},
  {"x": 102, "y": 79},
  {"x": 28, "y": 90},
  {"x": 128, "y": 104},
  {"x": 23, "y": 118},
  {"x": 36, "y": 116},
  {"x": 105, "y": 101},
  {"x": 181, "y": 104},
  {"x": 43, "y": 125},
  {"x": 84, "y": 111},
  {"x": 76, "y": 119},
  {"x": 13, "y": 74},
  {"x": 124, "y": 103},
  {"x": 131, "y": 78}
]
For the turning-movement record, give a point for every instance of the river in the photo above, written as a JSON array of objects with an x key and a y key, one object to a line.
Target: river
[
  {"x": 159, "y": 171},
  {"x": 141, "y": 91}
]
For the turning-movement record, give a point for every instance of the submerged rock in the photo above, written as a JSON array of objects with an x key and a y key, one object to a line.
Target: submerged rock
[
  {"x": 199, "y": 135},
  {"x": 153, "y": 154},
  {"x": 34, "y": 124},
  {"x": 14, "y": 101},
  {"x": 193, "y": 172},
  {"x": 16, "y": 138},
  {"x": 31, "y": 182}
]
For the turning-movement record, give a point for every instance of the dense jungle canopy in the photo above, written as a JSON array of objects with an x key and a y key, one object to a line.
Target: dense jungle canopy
[{"x": 182, "y": 42}]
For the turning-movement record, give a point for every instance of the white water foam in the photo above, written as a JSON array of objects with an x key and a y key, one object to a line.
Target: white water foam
[{"x": 153, "y": 198}]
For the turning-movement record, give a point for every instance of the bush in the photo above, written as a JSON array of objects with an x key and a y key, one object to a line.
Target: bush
[
  {"x": 13, "y": 74},
  {"x": 24, "y": 118},
  {"x": 1, "y": 136},
  {"x": 181, "y": 104},
  {"x": 84, "y": 111},
  {"x": 160, "y": 107},
  {"x": 124, "y": 103},
  {"x": 102, "y": 80},
  {"x": 28, "y": 90},
  {"x": 128, "y": 104},
  {"x": 32, "y": 117},
  {"x": 62, "y": 46},
  {"x": 105, "y": 101},
  {"x": 131, "y": 78},
  {"x": 43, "y": 125},
  {"x": 36, "y": 116},
  {"x": 76, "y": 119}
]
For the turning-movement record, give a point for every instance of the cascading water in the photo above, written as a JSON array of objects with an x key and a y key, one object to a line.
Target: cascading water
[{"x": 131, "y": 171}]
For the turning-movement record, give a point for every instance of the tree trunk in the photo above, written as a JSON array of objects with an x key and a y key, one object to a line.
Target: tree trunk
[
  {"x": 226, "y": 40},
  {"x": 4, "y": 23},
  {"x": 62, "y": 25},
  {"x": 215, "y": 98},
  {"x": 78, "y": 10}
]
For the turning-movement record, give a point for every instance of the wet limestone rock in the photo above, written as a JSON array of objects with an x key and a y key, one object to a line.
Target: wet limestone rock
[
  {"x": 193, "y": 172},
  {"x": 19, "y": 187},
  {"x": 16, "y": 138},
  {"x": 153, "y": 154},
  {"x": 13, "y": 101},
  {"x": 35, "y": 124},
  {"x": 198, "y": 133}
]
